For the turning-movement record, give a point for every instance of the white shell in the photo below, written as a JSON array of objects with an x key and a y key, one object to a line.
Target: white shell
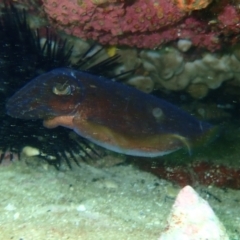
[{"x": 30, "y": 151}]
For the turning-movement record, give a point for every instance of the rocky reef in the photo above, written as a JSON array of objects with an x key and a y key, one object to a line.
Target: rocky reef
[{"x": 183, "y": 48}]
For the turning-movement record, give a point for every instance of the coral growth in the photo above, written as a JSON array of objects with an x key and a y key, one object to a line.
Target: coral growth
[
  {"x": 146, "y": 23},
  {"x": 114, "y": 22},
  {"x": 193, "y": 5},
  {"x": 174, "y": 69},
  {"x": 140, "y": 23}
]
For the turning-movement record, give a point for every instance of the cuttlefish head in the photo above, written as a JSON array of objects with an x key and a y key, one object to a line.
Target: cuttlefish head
[{"x": 55, "y": 93}]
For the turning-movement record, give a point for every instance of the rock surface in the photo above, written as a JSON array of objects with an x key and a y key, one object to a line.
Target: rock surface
[{"x": 192, "y": 218}]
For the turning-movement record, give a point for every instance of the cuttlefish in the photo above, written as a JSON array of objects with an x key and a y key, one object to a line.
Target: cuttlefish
[{"x": 108, "y": 113}]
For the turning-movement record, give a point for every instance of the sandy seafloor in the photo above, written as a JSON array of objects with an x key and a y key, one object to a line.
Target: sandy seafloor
[{"x": 119, "y": 202}]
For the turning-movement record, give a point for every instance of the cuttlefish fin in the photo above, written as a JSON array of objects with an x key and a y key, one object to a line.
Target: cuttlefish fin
[
  {"x": 148, "y": 145},
  {"x": 184, "y": 140},
  {"x": 99, "y": 132}
]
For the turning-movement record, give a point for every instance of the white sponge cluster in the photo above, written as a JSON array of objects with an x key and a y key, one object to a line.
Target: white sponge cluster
[{"x": 173, "y": 68}]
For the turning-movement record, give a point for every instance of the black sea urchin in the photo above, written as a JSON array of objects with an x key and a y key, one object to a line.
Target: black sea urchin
[{"x": 22, "y": 57}]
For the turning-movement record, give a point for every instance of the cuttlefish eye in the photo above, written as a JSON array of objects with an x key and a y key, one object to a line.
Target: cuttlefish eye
[{"x": 62, "y": 89}]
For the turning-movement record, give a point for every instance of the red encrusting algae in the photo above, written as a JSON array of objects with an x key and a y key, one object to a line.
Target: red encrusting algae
[{"x": 200, "y": 172}]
